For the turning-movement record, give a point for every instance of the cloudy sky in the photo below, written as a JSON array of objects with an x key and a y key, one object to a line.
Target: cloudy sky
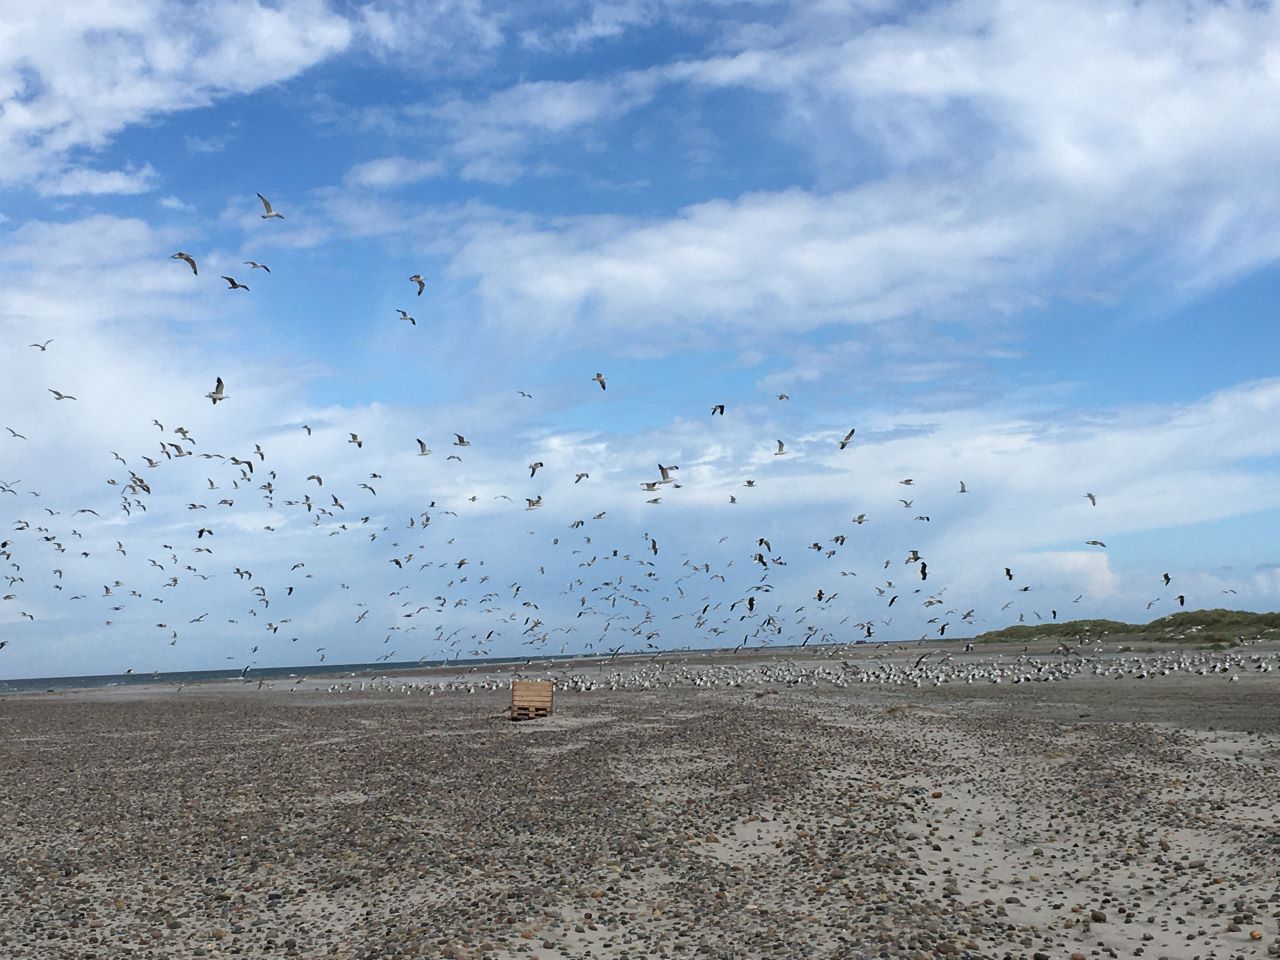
[{"x": 1028, "y": 246}]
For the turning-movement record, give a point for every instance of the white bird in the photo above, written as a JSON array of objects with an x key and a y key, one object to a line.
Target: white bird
[
  {"x": 234, "y": 284},
  {"x": 422, "y": 448},
  {"x": 781, "y": 449},
  {"x": 270, "y": 213},
  {"x": 404, "y": 315},
  {"x": 599, "y": 378},
  {"x": 255, "y": 265},
  {"x": 216, "y": 393},
  {"x": 422, "y": 284}
]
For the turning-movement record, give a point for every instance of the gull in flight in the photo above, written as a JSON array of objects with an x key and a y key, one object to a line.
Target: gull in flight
[
  {"x": 781, "y": 449},
  {"x": 58, "y": 395},
  {"x": 784, "y": 396},
  {"x": 422, "y": 448},
  {"x": 356, "y": 440},
  {"x": 42, "y": 347},
  {"x": 255, "y": 265},
  {"x": 270, "y": 213},
  {"x": 533, "y": 504},
  {"x": 461, "y": 441},
  {"x": 1091, "y": 498},
  {"x": 1095, "y": 543},
  {"x": 216, "y": 393},
  {"x": 963, "y": 488},
  {"x": 15, "y": 434},
  {"x": 579, "y": 477},
  {"x": 404, "y": 315},
  {"x": 718, "y": 408},
  {"x": 599, "y": 378},
  {"x": 188, "y": 259},
  {"x": 234, "y": 284},
  {"x": 848, "y": 438},
  {"x": 534, "y": 467},
  {"x": 422, "y": 284}
]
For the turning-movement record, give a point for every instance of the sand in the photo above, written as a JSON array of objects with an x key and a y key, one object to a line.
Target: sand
[{"x": 1089, "y": 817}]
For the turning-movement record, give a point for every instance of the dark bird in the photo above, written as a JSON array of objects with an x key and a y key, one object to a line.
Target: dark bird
[
  {"x": 599, "y": 378},
  {"x": 186, "y": 258},
  {"x": 422, "y": 284},
  {"x": 234, "y": 284},
  {"x": 216, "y": 393}
]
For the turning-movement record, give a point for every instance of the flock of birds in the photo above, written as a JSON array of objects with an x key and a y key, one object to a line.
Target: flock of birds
[{"x": 620, "y": 591}]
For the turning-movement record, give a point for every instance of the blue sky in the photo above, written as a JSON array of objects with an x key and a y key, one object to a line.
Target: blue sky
[{"x": 1028, "y": 246}]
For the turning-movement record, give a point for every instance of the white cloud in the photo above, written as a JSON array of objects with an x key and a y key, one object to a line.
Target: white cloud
[
  {"x": 96, "y": 183},
  {"x": 69, "y": 83},
  {"x": 387, "y": 173}
]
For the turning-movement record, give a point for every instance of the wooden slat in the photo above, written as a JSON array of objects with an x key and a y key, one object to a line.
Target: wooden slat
[{"x": 532, "y": 698}]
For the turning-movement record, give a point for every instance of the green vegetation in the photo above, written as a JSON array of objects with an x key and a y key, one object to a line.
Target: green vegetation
[{"x": 1199, "y": 627}]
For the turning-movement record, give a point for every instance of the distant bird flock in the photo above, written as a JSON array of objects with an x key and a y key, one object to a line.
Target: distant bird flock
[{"x": 626, "y": 596}]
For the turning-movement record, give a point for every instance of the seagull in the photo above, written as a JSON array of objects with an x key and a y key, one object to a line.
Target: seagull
[
  {"x": 422, "y": 448},
  {"x": 57, "y": 395},
  {"x": 533, "y": 467},
  {"x": 1095, "y": 543},
  {"x": 15, "y": 434},
  {"x": 784, "y": 396},
  {"x": 404, "y": 315},
  {"x": 533, "y": 504},
  {"x": 848, "y": 438},
  {"x": 718, "y": 408},
  {"x": 255, "y": 265},
  {"x": 963, "y": 488},
  {"x": 188, "y": 259},
  {"x": 42, "y": 347},
  {"x": 234, "y": 284},
  {"x": 422, "y": 284},
  {"x": 1091, "y": 498},
  {"x": 356, "y": 440},
  {"x": 270, "y": 213},
  {"x": 781, "y": 449},
  {"x": 1167, "y": 578},
  {"x": 461, "y": 441},
  {"x": 579, "y": 477},
  {"x": 216, "y": 393},
  {"x": 599, "y": 378}
]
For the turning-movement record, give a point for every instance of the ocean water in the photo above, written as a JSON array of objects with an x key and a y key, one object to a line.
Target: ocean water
[{"x": 37, "y": 684}]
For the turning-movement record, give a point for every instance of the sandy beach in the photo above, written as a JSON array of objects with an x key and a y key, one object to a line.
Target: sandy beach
[{"x": 784, "y": 815}]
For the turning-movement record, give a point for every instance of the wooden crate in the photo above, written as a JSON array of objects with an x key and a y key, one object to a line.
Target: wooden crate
[{"x": 532, "y": 698}]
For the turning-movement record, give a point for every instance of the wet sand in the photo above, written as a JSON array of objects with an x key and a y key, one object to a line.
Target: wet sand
[{"x": 1086, "y": 817}]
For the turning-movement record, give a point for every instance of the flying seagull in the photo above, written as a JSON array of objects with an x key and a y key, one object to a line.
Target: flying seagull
[
  {"x": 188, "y": 259},
  {"x": 234, "y": 284},
  {"x": 1095, "y": 543},
  {"x": 599, "y": 378},
  {"x": 422, "y": 284},
  {"x": 255, "y": 265},
  {"x": 781, "y": 449},
  {"x": 270, "y": 213},
  {"x": 42, "y": 347},
  {"x": 216, "y": 393},
  {"x": 848, "y": 438},
  {"x": 718, "y": 408},
  {"x": 404, "y": 315},
  {"x": 422, "y": 448},
  {"x": 58, "y": 395},
  {"x": 1091, "y": 498}
]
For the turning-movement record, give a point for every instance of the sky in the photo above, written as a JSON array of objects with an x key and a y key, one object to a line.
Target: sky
[{"x": 1025, "y": 247}]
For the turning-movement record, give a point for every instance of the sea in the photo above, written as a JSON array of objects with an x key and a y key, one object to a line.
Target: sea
[{"x": 53, "y": 684}]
